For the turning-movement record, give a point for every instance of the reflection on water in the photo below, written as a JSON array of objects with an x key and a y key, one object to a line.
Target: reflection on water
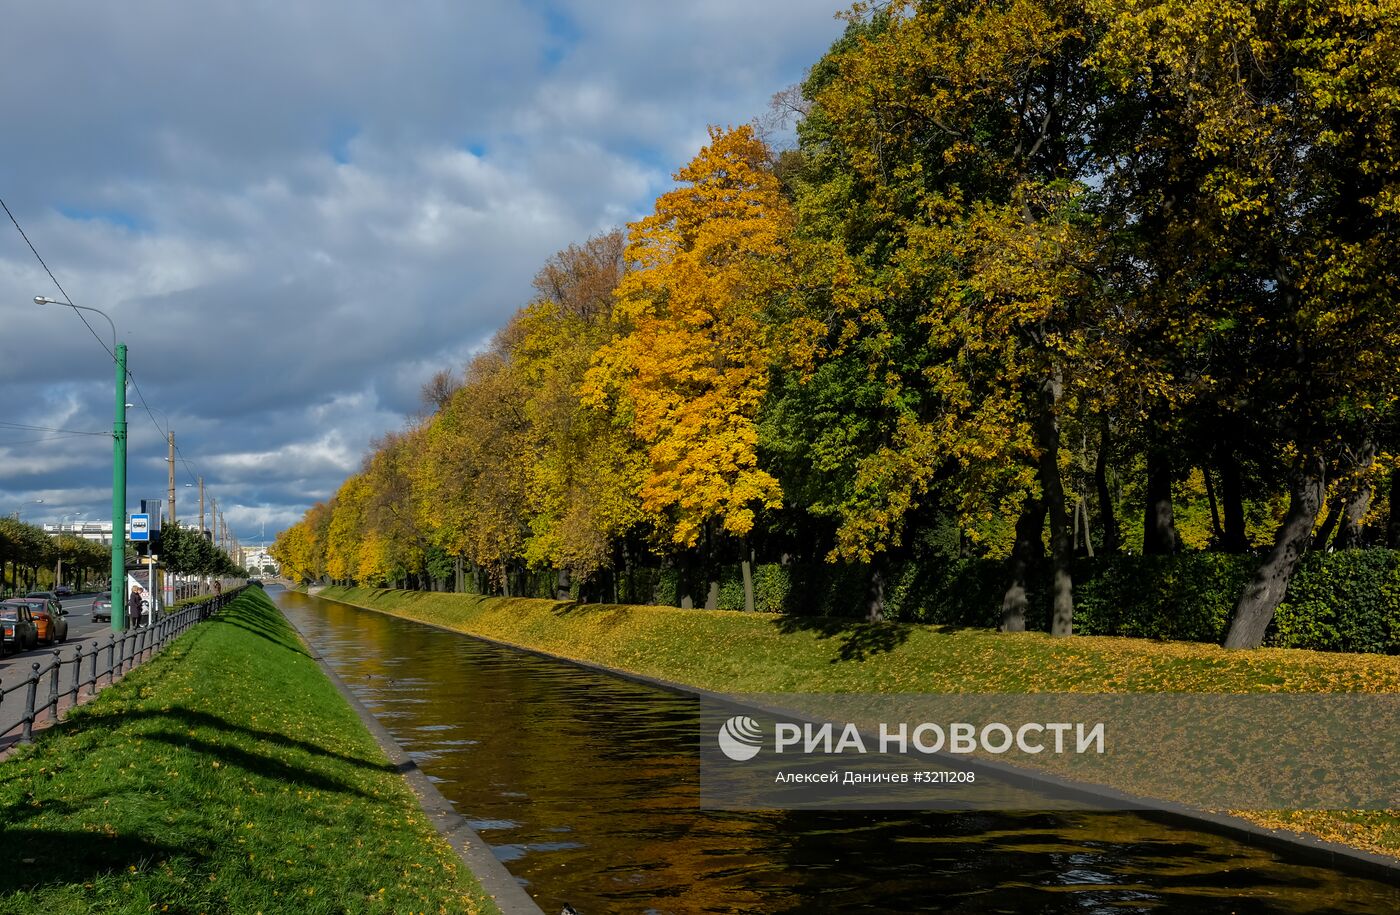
[{"x": 586, "y": 786}]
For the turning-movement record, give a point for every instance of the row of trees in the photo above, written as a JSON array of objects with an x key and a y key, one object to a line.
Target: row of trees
[
  {"x": 186, "y": 551},
  {"x": 28, "y": 556},
  {"x": 1032, "y": 265},
  {"x": 26, "y": 551}
]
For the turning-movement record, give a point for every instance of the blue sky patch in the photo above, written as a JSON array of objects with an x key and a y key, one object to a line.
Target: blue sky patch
[{"x": 116, "y": 217}]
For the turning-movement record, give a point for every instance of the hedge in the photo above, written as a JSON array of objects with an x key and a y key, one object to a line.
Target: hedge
[{"x": 1342, "y": 601}]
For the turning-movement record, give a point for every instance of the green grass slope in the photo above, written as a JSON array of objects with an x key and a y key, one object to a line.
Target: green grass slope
[{"x": 228, "y": 775}]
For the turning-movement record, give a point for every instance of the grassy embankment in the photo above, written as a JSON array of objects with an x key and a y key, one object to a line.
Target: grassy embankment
[
  {"x": 761, "y": 653},
  {"x": 227, "y": 775}
]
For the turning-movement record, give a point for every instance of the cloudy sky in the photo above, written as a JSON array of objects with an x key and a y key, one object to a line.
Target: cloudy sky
[{"x": 296, "y": 212}]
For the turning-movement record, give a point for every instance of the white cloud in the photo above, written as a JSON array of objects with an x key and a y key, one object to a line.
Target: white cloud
[{"x": 296, "y": 213}]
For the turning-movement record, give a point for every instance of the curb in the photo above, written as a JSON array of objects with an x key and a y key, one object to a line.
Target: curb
[
  {"x": 1300, "y": 847},
  {"x": 510, "y": 897}
]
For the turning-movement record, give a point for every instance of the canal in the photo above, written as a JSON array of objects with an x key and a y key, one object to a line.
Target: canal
[{"x": 586, "y": 787}]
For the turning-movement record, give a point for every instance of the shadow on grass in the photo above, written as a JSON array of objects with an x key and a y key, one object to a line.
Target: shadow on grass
[
  {"x": 37, "y": 857},
  {"x": 189, "y": 719},
  {"x": 856, "y": 640},
  {"x": 258, "y": 764},
  {"x": 274, "y": 636}
]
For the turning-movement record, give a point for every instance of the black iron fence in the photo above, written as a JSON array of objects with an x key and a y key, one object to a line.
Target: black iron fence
[{"x": 49, "y": 684}]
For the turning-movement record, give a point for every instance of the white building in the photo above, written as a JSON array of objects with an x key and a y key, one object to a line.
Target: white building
[{"x": 100, "y": 531}]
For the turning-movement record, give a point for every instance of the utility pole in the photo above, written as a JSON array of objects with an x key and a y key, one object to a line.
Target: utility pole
[
  {"x": 213, "y": 521},
  {"x": 171, "y": 459}
]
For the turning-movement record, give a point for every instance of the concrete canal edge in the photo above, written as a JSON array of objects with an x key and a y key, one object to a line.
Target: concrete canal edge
[
  {"x": 510, "y": 897},
  {"x": 1300, "y": 848}
]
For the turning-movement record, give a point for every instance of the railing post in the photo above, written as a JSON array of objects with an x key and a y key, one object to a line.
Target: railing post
[
  {"x": 31, "y": 694},
  {"x": 53, "y": 686},
  {"x": 77, "y": 670},
  {"x": 92, "y": 684},
  {"x": 111, "y": 659}
]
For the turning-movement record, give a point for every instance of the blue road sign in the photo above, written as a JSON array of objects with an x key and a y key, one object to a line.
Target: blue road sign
[{"x": 140, "y": 527}]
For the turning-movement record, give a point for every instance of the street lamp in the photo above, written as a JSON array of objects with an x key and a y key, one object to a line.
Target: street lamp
[
  {"x": 58, "y": 566},
  {"x": 118, "y": 468},
  {"x": 19, "y": 508}
]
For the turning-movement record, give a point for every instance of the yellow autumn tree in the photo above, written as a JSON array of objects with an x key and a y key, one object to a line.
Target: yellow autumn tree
[
  {"x": 346, "y": 530},
  {"x": 690, "y": 363}
]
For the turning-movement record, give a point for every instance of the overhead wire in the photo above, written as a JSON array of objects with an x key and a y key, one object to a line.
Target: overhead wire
[
  {"x": 28, "y": 428},
  {"x": 68, "y": 300},
  {"x": 59, "y": 286}
]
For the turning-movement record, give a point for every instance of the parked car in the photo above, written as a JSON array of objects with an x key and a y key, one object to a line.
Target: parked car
[
  {"x": 17, "y": 629},
  {"x": 46, "y": 595},
  {"x": 63, "y": 591},
  {"x": 102, "y": 607},
  {"x": 49, "y": 618}
]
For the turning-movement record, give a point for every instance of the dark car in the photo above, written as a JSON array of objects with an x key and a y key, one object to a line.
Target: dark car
[
  {"x": 46, "y": 595},
  {"x": 50, "y": 619},
  {"x": 102, "y": 607},
  {"x": 17, "y": 629},
  {"x": 63, "y": 591}
]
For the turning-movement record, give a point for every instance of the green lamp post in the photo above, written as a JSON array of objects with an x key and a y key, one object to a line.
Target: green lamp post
[{"x": 118, "y": 469}]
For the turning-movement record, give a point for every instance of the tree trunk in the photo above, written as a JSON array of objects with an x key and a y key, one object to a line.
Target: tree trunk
[
  {"x": 1358, "y": 501},
  {"x": 1159, "y": 537},
  {"x": 1357, "y": 505},
  {"x": 711, "y": 569},
  {"x": 1266, "y": 589},
  {"x": 1024, "y": 554},
  {"x": 1088, "y": 534},
  {"x": 1061, "y": 545},
  {"x": 685, "y": 580},
  {"x": 875, "y": 611},
  {"x": 563, "y": 584},
  {"x": 1324, "y": 533},
  {"x": 746, "y": 569},
  {"x": 625, "y": 576},
  {"x": 1234, "y": 536},
  {"x": 1074, "y": 526},
  {"x": 1216, "y": 531},
  {"x": 1107, "y": 517}
]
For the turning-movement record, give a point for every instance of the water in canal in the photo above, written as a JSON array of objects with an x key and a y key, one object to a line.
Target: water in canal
[{"x": 586, "y": 786}]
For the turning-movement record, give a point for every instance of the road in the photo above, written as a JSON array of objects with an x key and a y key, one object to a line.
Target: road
[{"x": 16, "y": 667}]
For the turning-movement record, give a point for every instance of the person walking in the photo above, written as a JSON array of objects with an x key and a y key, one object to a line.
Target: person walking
[{"x": 135, "y": 607}]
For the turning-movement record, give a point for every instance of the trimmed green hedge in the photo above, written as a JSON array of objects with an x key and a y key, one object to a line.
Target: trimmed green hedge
[{"x": 1344, "y": 601}]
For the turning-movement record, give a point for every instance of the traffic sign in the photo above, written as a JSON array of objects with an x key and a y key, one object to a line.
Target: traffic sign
[{"x": 140, "y": 527}]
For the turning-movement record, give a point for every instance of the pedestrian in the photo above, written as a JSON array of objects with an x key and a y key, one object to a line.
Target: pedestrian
[{"x": 134, "y": 606}]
